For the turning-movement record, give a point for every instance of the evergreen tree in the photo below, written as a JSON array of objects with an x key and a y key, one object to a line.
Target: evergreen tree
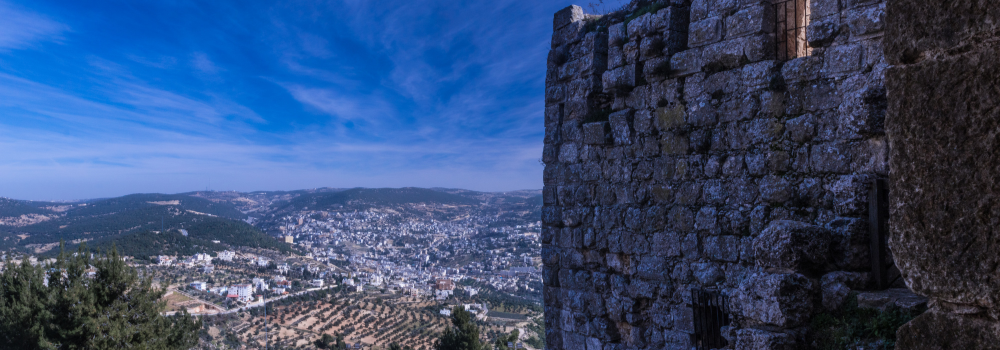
[
  {"x": 60, "y": 307},
  {"x": 501, "y": 342},
  {"x": 463, "y": 335}
]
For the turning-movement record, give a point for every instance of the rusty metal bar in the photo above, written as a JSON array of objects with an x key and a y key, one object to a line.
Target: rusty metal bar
[{"x": 711, "y": 313}]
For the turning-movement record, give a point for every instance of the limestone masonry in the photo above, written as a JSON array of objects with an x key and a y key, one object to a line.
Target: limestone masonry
[{"x": 729, "y": 146}]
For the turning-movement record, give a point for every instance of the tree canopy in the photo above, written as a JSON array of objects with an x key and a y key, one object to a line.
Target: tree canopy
[
  {"x": 462, "y": 335},
  {"x": 80, "y": 302}
]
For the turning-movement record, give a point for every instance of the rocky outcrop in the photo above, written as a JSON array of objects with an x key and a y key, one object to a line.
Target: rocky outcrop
[{"x": 943, "y": 125}]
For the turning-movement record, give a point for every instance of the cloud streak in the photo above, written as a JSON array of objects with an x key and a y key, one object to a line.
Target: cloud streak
[
  {"x": 20, "y": 28},
  {"x": 292, "y": 95}
]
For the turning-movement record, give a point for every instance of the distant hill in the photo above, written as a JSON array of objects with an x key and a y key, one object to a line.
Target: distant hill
[
  {"x": 14, "y": 208},
  {"x": 143, "y": 245},
  {"x": 116, "y": 219},
  {"x": 376, "y": 196}
]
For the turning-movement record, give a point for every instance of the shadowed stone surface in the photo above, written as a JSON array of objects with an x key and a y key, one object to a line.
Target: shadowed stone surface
[
  {"x": 935, "y": 330},
  {"x": 793, "y": 245},
  {"x": 943, "y": 127}
]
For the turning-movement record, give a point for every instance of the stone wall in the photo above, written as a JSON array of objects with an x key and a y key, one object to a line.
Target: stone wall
[
  {"x": 680, "y": 154},
  {"x": 944, "y": 125}
]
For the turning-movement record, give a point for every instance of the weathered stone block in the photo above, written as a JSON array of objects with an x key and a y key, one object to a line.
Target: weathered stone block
[
  {"x": 866, "y": 21},
  {"x": 621, "y": 126},
  {"x": 651, "y": 47},
  {"x": 597, "y": 133},
  {"x": 837, "y": 286},
  {"x": 782, "y": 300},
  {"x": 568, "y": 153},
  {"x": 775, "y": 189},
  {"x": 669, "y": 19},
  {"x": 723, "y": 248},
  {"x": 851, "y": 243},
  {"x": 755, "y": 339},
  {"x": 831, "y": 158},
  {"x": 686, "y": 63},
  {"x": 802, "y": 69},
  {"x": 656, "y": 69},
  {"x": 631, "y": 52},
  {"x": 566, "y": 16},
  {"x": 843, "y": 59},
  {"x": 758, "y": 47},
  {"x": 823, "y": 32},
  {"x": 850, "y": 194},
  {"x": 643, "y": 122},
  {"x": 801, "y": 129},
  {"x": 863, "y": 108},
  {"x": 823, "y": 8},
  {"x": 705, "y": 32},
  {"x": 722, "y": 56},
  {"x": 701, "y": 9},
  {"x": 793, "y": 245},
  {"x": 947, "y": 331},
  {"x": 901, "y": 298},
  {"x": 569, "y": 34},
  {"x": 621, "y": 79},
  {"x": 617, "y": 36},
  {"x": 941, "y": 125},
  {"x": 819, "y": 96},
  {"x": 640, "y": 26},
  {"x": 759, "y": 75},
  {"x": 672, "y": 143},
  {"x": 755, "y": 19}
]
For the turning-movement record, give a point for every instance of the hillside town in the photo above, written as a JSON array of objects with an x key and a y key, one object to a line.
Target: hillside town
[{"x": 415, "y": 259}]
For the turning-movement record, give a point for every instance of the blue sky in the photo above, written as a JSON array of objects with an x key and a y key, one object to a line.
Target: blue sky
[{"x": 106, "y": 98}]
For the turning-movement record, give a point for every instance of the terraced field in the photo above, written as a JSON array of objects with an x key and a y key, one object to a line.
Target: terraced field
[{"x": 407, "y": 322}]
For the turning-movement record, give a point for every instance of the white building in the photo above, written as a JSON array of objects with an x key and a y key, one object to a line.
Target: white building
[
  {"x": 260, "y": 283},
  {"x": 283, "y": 268},
  {"x": 317, "y": 283},
  {"x": 199, "y": 285},
  {"x": 243, "y": 292},
  {"x": 164, "y": 260},
  {"x": 262, "y": 261},
  {"x": 227, "y": 255},
  {"x": 348, "y": 282}
]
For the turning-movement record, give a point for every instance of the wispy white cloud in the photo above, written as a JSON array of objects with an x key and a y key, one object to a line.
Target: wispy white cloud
[
  {"x": 20, "y": 28},
  {"x": 201, "y": 62},
  {"x": 314, "y": 93}
]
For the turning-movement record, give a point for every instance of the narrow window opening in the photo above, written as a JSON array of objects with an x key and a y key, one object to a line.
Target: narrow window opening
[
  {"x": 791, "y": 18},
  {"x": 878, "y": 214},
  {"x": 711, "y": 313}
]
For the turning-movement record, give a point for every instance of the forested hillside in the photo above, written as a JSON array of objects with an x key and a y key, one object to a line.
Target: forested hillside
[
  {"x": 364, "y": 197},
  {"x": 130, "y": 220},
  {"x": 13, "y": 208}
]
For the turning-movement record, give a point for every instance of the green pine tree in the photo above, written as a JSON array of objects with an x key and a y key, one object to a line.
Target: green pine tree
[
  {"x": 501, "y": 342},
  {"x": 114, "y": 309},
  {"x": 463, "y": 335}
]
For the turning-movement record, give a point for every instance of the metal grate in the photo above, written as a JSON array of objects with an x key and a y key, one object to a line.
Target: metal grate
[
  {"x": 791, "y": 17},
  {"x": 711, "y": 313},
  {"x": 878, "y": 214}
]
